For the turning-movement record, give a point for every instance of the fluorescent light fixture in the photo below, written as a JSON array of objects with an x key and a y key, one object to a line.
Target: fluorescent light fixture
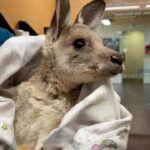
[
  {"x": 106, "y": 22},
  {"x": 123, "y": 7},
  {"x": 147, "y": 6}
]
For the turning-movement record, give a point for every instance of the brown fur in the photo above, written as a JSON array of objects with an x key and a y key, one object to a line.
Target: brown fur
[{"x": 43, "y": 100}]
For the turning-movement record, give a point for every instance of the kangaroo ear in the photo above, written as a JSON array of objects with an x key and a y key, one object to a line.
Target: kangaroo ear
[
  {"x": 60, "y": 19},
  {"x": 91, "y": 14}
]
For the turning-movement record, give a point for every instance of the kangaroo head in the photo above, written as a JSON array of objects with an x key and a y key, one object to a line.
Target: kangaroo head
[{"x": 78, "y": 53}]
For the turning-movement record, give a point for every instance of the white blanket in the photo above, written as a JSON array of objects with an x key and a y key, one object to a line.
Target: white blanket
[{"x": 97, "y": 122}]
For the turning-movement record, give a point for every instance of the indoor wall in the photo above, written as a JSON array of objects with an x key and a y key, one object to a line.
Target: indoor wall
[
  {"x": 132, "y": 43},
  {"x": 37, "y": 13}
]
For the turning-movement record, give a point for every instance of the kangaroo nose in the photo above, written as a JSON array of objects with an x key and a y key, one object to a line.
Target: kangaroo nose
[{"x": 117, "y": 59}]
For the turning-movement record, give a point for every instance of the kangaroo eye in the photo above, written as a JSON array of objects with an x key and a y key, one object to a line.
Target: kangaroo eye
[{"x": 79, "y": 43}]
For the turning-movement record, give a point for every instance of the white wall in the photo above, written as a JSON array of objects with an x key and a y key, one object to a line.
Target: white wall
[{"x": 147, "y": 69}]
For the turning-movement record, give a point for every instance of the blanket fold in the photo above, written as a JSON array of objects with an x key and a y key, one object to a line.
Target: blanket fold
[{"x": 97, "y": 122}]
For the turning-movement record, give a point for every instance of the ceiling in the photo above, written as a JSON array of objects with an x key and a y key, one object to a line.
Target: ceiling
[
  {"x": 140, "y": 15},
  {"x": 127, "y": 2}
]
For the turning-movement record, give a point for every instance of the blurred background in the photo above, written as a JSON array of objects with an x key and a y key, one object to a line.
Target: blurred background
[{"x": 124, "y": 28}]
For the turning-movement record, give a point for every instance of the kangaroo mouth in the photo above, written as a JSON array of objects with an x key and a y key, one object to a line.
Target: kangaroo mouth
[
  {"x": 116, "y": 69},
  {"x": 107, "y": 70}
]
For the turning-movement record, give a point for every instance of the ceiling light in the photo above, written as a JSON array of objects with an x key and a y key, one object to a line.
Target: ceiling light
[
  {"x": 147, "y": 6},
  {"x": 106, "y": 22},
  {"x": 122, "y": 7}
]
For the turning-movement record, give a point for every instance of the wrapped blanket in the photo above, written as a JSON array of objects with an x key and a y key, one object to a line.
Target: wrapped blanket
[{"x": 97, "y": 122}]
